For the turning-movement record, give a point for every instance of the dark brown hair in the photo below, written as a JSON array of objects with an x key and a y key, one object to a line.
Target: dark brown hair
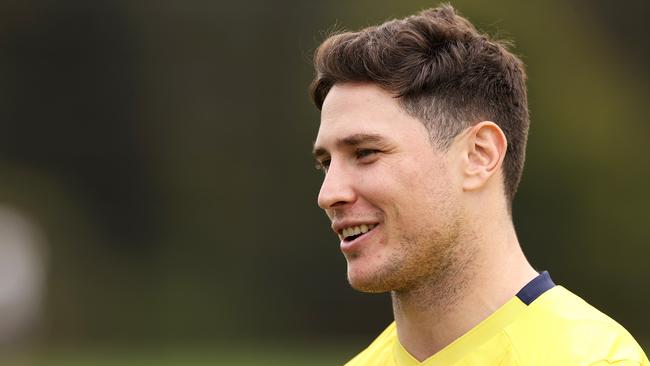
[{"x": 442, "y": 70}]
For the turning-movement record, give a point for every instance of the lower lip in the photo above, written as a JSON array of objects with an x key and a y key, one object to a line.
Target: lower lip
[{"x": 348, "y": 247}]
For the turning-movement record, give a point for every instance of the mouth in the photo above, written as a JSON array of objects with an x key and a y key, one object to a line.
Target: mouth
[{"x": 352, "y": 233}]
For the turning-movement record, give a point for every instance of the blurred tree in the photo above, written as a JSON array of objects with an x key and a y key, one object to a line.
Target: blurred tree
[{"x": 166, "y": 151}]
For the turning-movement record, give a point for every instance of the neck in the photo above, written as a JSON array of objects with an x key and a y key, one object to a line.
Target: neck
[{"x": 434, "y": 313}]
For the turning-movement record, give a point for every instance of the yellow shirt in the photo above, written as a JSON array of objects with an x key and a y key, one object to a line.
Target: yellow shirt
[{"x": 543, "y": 325}]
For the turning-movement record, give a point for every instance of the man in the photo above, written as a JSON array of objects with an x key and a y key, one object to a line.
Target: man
[{"x": 422, "y": 140}]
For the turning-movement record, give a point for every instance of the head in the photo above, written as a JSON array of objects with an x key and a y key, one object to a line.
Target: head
[{"x": 417, "y": 115}]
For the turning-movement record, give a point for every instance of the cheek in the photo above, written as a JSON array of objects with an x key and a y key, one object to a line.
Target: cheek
[
  {"x": 401, "y": 196},
  {"x": 403, "y": 188},
  {"x": 425, "y": 194}
]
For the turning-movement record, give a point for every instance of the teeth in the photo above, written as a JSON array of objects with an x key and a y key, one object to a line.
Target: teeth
[{"x": 356, "y": 230}]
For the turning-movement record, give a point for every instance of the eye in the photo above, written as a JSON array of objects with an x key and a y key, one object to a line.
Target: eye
[
  {"x": 364, "y": 153},
  {"x": 323, "y": 165}
]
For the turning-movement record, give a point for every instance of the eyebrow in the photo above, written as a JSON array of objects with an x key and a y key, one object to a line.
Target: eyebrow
[{"x": 350, "y": 141}]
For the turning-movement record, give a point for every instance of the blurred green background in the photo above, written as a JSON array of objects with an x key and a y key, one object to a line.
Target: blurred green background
[{"x": 155, "y": 168}]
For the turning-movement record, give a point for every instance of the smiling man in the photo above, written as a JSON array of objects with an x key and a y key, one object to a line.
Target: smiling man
[{"x": 422, "y": 140}]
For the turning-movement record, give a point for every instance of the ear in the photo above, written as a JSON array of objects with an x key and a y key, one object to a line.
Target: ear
[{"x": 486, "y": 146}]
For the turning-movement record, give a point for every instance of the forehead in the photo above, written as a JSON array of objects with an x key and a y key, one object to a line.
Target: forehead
[{"x": 351, "y": 109}]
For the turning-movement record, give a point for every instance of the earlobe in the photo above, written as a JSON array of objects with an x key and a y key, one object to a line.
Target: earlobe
[{"x": 486, "y": 149}]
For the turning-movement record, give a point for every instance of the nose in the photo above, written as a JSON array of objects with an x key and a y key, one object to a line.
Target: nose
[{"x": 337, "y": 188}]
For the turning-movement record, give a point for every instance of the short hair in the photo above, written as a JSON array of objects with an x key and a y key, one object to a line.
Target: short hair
[{"x": 442, "y": 70}]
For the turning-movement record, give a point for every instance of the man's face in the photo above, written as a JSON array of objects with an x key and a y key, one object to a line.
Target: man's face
[{"x": 392, "y": 197}]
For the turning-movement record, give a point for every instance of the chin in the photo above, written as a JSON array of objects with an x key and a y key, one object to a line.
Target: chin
[
  {"x": 367, "y": 287},
  {"x": 365, "y": 279}
]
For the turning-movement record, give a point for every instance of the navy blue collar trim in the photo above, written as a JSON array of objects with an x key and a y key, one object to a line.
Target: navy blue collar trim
[{"x": 535, "y": 288}]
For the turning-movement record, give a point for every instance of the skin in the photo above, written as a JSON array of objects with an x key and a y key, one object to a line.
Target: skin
[{"x": 443, "y": 230}]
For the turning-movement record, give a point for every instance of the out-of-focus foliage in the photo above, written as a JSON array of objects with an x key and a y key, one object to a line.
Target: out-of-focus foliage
[{"x": 164, "y": 150}]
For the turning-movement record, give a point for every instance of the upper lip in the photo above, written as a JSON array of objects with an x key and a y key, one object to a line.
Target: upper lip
[{"x": 337, "y": 226}]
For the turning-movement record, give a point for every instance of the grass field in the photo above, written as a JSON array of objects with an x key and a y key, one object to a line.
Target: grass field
[
  {"x": 285, "y": 355},
  {"x": 204, "y": 356}
]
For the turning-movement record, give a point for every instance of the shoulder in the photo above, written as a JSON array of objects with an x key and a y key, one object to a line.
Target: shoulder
[
  {"x": 379, "y": 352},
  {"x": 561, "y": 328}
]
